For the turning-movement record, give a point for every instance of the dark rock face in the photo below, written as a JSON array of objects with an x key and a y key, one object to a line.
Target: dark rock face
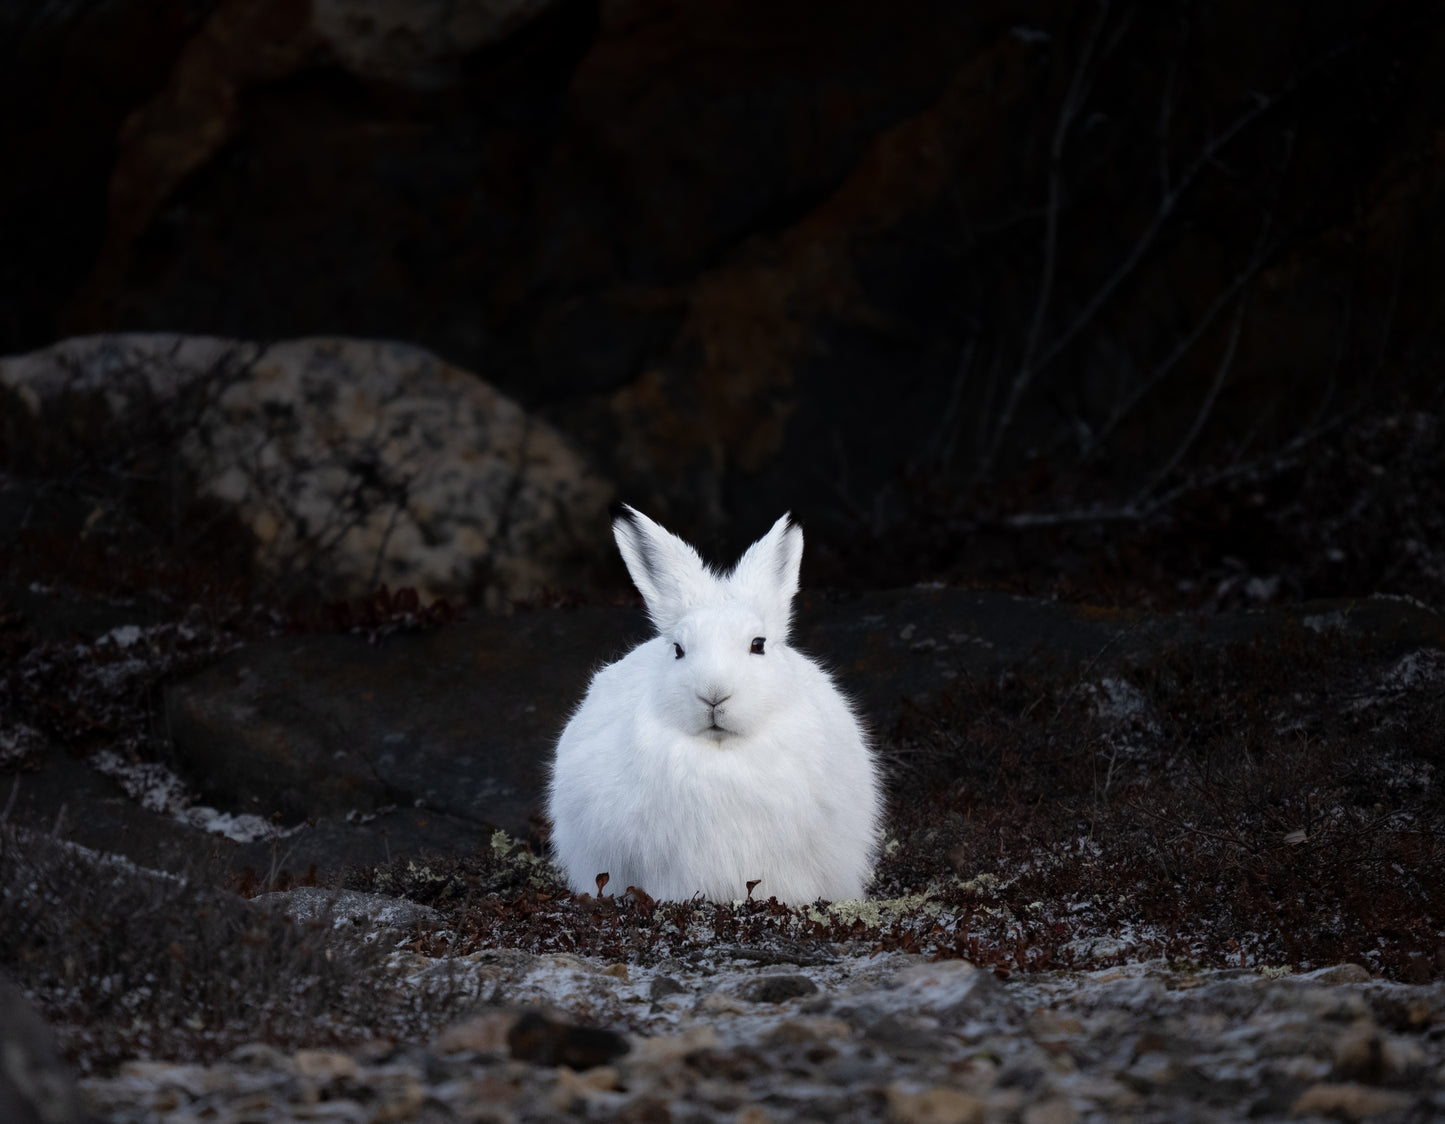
[
  {"x": 832, "y": 256},
  {"x": 779, "y": 989},
  {"x": 536, "y": 1038},
  {"x": 459, "y": 721},
  {"x": 36, "y": 1086},
  {"x": 448, "y": 734}
]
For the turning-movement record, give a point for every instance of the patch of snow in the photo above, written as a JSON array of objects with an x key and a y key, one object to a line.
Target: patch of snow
[
  {"x": 157, "y": 789},
  {"x": 17, "y": 740},
  {"x": 1333, "y": 621},
  {"x": 149, "y": 783},
  {"x": 102, "y": 858},
  {"x": 1084, "y": 948},
  {"x": 123, "y": 636},
  {"x": 1262, "y": 589},
  {"x": 1407, "y": 599},
  {"x": 1121, "y": 701},
  {"x": 242, "y": 827},
  {"x": 1421, "y": 668}
]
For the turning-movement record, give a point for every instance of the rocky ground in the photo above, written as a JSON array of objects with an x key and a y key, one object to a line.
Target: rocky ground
[
  {"x": 269, "y": 851},
  {"x": 380, "y": 950},
  {"x": 724, "y": 1037}
]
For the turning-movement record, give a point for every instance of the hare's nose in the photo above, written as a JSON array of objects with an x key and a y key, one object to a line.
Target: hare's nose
[{"x": 714, "y": 698}]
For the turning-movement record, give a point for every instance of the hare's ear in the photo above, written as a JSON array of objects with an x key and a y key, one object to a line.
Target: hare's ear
[
  {"x": 667, "y": 572},
  {"x": 767, "y": 575}
]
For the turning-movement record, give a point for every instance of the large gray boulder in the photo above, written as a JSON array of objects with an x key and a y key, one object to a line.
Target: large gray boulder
[{"x": 351, "y": 462}]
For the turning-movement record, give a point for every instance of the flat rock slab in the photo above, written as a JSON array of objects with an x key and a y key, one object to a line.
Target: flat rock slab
[
  {"x": 457, "y": 721},
  {"x": 456, "y": 725}
]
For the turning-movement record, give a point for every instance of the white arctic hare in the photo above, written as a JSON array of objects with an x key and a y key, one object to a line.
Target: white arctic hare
[{"x": 714, "y": 754}]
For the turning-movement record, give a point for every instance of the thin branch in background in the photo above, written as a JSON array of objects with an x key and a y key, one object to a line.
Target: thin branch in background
[
  {"x": 1168, "y": 203},
  {"x": 1143, "y": 243},
  {"x": 1126, "y": 406},
  {"x": 1263, "y": 468},
  {"x": 1206, "y": 407},
  {"x": 837, "y": 481},
  {"x": 1166, "y": 111},
  {"x": 10, "y": 803},
  {"x": 945, "y": 438},
  {"x": 1079, "y": 84}
]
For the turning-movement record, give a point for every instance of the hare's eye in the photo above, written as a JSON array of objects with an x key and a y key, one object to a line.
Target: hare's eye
[
  {"x": 757, "y": 648},
  {"x": 678, "y": 649}
]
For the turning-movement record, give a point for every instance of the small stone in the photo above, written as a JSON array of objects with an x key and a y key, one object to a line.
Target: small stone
[
  {"x": 752, "y": 1114},
  {"x": 645, "y": 1110},
  {"x": 1359, "y": 1053},
  {"x": 778, "y": 989},
  {"x": 1348, "y": 1102},
  {"x": 721, "y": 1003},
  {"x": 663, "y": 986},
  {"x": 400, "y": 1097},
  {"x": 542, "y": 1041},
  {"x": 616, "y": 971},
  {"x": 482, "y": 1033},
  {"x": 1402, "y": 1056},
  {"x": 324, "y": 1065},
  {"x": 976, "y": 1074},
  {"x": 1152, "y": 1069},
  {"x": 601, "y": 1079},
  {"x": 939, "y": 1105},
  {"x": 487, "y": 1097},
  {"x": 1048, "y": 1024},
  {"x": 1055, "y": 1111},
  {"x": 903, "y": 1037},
  {"x": 573, "y": 1090}
]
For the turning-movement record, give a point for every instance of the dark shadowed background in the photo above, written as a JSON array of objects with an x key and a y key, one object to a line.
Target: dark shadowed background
[
  {"x": 326, "y": 325},
  {"x": 1133, "y": 301}
]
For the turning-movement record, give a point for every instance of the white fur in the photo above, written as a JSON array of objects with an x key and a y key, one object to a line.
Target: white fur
[{"x": 665, "y": 792}]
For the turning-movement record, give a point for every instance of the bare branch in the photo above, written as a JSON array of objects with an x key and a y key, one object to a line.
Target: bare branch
[
  {"x": 1206, "y": 407},
  {"x": 1074, "y": 97},
  {"x": 1035, "y": 362}
]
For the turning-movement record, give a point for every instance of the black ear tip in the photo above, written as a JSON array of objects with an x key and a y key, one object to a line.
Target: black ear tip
[{"x": 620, "y": 511}]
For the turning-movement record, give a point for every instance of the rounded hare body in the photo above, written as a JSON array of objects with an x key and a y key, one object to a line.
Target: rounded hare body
[{"x": 714, "y": 754}]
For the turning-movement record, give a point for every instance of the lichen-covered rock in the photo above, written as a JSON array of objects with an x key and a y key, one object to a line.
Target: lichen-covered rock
[{"x": 353, "y": 462}]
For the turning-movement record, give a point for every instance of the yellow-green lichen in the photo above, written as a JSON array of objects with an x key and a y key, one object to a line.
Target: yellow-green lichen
[{"x": 875, "y": 912}]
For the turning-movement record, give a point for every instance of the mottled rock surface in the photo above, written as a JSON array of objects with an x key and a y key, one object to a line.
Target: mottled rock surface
[
  {"x": 867, "y": 1039},
  {"x": 352, "y": 463}
]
